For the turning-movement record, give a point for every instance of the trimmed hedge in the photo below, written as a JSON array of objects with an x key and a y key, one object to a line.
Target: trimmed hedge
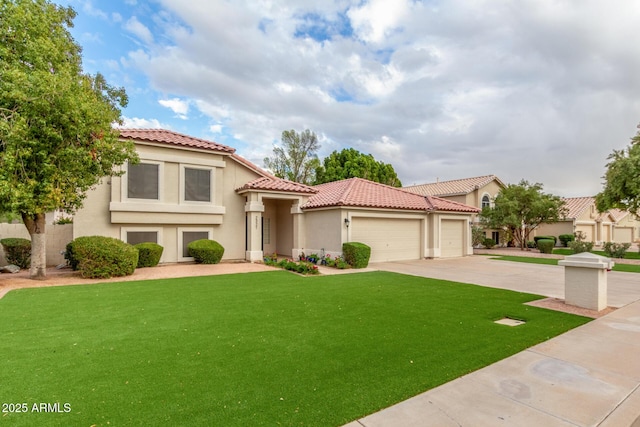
[
  {"x": 205, "y": 251},
  {"x": 99, "y": 257},
  {"x": 488, "y": 243},
  {"x": 546, "y": 245},
  {"x": 17, "y": 251},
  {"x": 356, "y": 254},
  {"x": 566, "y": 238},
  {"x": 149, "y": 254},
  {"x": 554, "y": 238}
]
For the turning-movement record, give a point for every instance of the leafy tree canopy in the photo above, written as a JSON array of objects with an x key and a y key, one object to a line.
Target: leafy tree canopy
[
  {"x": 350, "y": 163},
  {"x": 622, "y": 179},
  {"x": 56, "y": 134},
  {"x": 519, "y": 209},
  {"x": 297, "y": 159}
]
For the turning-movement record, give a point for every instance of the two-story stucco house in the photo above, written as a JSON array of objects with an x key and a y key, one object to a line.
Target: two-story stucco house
[{"x": 187, "y": 188}]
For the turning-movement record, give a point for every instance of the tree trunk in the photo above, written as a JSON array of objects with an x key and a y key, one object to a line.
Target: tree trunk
[{"x": 35, "y": 224}]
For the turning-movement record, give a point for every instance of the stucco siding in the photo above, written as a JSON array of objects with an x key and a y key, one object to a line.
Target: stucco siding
[
  {"x": 324, "y": 231},
  {"x": 554, "y": 229}
]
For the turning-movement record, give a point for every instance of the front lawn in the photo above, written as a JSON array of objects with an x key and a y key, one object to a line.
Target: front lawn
[
  {"x": 268, "y": 348},
  {"x": 627, "y": 268},
  {"x": 567, "y": 251}
]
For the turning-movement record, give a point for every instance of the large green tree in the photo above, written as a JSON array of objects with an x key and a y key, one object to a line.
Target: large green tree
[
  {"x": 519, "y": 209},
  {"x": 297, "y": 158},
  {"x": 56, "y": 134},
  {"x": 622, "y": 179},
  {"x": 350, "y": 163}
]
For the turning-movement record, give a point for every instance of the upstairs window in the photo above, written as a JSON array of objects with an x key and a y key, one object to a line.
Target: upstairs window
[
  {"x": 143, "y": 180},
  {"x": 486, "y": 202},
  {"x": 197, "y": 185}
]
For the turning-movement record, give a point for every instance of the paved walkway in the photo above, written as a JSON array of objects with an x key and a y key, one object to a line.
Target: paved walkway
[{"x": 589, "y": 376}]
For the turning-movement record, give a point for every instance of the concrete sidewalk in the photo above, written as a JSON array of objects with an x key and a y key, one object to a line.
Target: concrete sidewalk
[{"x": 589, "y": 376}]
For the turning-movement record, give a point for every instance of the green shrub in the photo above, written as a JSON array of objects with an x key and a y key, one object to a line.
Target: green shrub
[
  {"x": 488, "y": 243},
  {"x": 545, "y": 245},
  {"x": 99, "y": 257},
  {"x": 531, "y": 244},
  {"x": 616, "y": 250},
  {"x": 356, "y": 254},
  {"x": 578, "y": 246},
  {"x": 566, "y": 238},
  {"x": 17, "y": 251},
  {"x": 536, "y": 238},
  {"x": 206, "y": 251},
  {"x": 149, "y": 254}
]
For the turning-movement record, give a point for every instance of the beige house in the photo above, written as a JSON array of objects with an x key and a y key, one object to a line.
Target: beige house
[
  {"x": 478, "y": 191},
  {"x": 626, "y": 228},
  {"x": 583, "y": 217},
  {"x": 186, "y": 188}
]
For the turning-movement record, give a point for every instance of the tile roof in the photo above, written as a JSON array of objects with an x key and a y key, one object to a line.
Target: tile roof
[
  {"x": 164, "y": 136},
  {"x": 269, "y": 183},
  {"x": 618, "y": 214},
  {"x": 358, "y": 192},
  {"x": 577, "y": 205},
  {"x": 452, "y": 188}
]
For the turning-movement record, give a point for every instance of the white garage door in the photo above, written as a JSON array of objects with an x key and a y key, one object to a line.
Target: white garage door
[
  {"x": 623, "y": 234},
  {"x": 389, "y": 239},
  {"x": 452, "y": 238},
  {"x": 588, "y": 232}
]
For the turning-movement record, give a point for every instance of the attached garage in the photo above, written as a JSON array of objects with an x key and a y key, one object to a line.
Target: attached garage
[
  {"x": 623, "y": 234},
  {"x": 587, "y": 230},
  {"x": 390, "y": 239},
  {"x": 452, "y": 238}
]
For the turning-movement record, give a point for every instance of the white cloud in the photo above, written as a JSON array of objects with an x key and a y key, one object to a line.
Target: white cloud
[
  {"x": 139, "y": 30},
  {"x": 544, "y": 90},
  {"x": 178, "y": 106},
  {"x": 136, "y": 122}
]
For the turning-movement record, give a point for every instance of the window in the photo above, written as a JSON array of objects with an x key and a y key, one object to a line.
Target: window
[
  {"x": 486, "y": 202},
  {"x": 266, "y": 231},
  {"x": 142, "y": 181},
  {"x": 190, "y": 236},
  {"x": 197, "y": 185},
  {"x": 135, "y": 237}
]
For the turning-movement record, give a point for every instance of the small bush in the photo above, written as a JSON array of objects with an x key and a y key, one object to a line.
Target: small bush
[
  {"x": 206, "y": 251},
  {"x": 302, "y": 267},
  {"x": 488, "y": 243},
  {"x": 356, "y": 254},
  {"x": 616, "y": 250},
  {"x": 537, "y": 238},
  {"x": 531, "y": 244},
  {"x": 566, "y": 238},
  {"x": 17, "y": 251},
  {"x": 149, "y": 254},
  {"x": 545, "y": 245},
  {"x": 99, "y": 257},
  {"x": 578, "y": 246}
]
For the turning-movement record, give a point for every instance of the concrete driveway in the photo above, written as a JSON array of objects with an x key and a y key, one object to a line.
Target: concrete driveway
[{"x": 547, "y": 280}]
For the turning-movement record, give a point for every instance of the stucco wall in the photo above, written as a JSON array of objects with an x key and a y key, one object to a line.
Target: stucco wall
[
  {"x": 324, "y": 231},
  {"x": 57, "y": 237},
  {"x": 555, "y": 229},
  {"x": 108, "y": 212}
]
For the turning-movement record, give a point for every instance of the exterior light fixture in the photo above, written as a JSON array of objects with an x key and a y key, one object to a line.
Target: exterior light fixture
[{"x": 346, "y": 222}]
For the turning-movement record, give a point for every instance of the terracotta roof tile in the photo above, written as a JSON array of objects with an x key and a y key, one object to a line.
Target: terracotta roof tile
[
  {"x": 618, "y": 214},
  {"x": 452, "y": 188},
  {"x": 577, "y": 205},
  {"x": 360, "y": 192},
  {"x": 277, "y": 184},
  {"x": 164, "y": 136}
]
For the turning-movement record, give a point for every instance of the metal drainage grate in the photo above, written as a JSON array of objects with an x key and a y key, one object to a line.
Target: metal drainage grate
[{"x": 510, "y": 322}]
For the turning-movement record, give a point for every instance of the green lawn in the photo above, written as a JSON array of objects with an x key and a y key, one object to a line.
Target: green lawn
[
  {"x": 567, "y": 251},
  {"x": 627, "y": 268},
  {"x": 268, "y": 348}
]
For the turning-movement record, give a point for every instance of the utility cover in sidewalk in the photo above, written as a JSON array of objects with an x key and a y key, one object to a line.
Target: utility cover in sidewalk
[{"x": 509, "y": 321}]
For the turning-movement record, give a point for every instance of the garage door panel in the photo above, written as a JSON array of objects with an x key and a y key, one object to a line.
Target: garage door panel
[
  {"x": 623, "y": 234},
  {"x": 452, "y": 238},
  {"x": 389, "y": 239}
]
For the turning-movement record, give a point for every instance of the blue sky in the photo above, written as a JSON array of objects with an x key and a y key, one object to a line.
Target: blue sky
[{"x": 541, "y": 90}]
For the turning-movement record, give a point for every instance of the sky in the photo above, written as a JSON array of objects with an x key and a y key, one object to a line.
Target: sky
[{"x": 540, "y": 90}]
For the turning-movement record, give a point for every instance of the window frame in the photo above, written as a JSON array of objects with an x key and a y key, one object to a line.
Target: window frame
[
  {"x": 183, "y": 184},
  {"x": 125, "y": 182},
  {"x": 158, "y": 230},
  {"x": 488, "y": 202}
]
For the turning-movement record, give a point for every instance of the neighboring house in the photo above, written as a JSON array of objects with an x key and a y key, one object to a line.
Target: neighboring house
[
  {"x": 186, "y": 188},
  {"x": 478, "y": 191},
  {"x": 582, "y": 217},
  {"x": 626, "y": 228}
]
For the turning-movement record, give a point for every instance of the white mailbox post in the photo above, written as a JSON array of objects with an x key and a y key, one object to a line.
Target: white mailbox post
[{"x": 585, "y": 280}]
